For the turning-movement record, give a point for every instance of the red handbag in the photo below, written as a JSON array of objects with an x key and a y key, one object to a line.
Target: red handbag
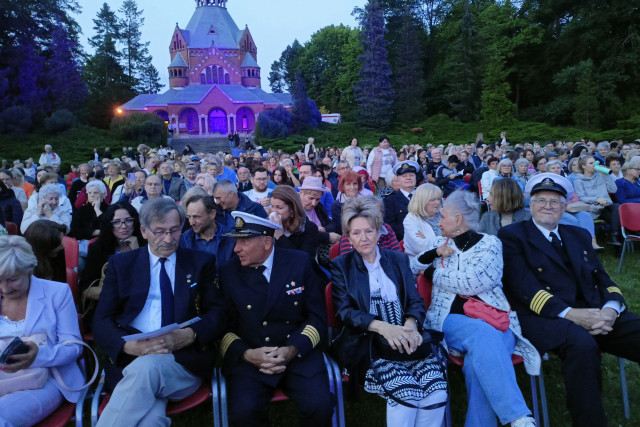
[{"x": 477, "y": 309}]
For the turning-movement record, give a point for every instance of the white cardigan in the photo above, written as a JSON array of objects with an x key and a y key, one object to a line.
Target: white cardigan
[
  {"x": 478, "y": 271},
  {"x": 414, "y": 245}
]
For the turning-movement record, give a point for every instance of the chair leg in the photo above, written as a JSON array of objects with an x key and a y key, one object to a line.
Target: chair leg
[
  {"x": 623, "y": 385},
  {"x": 624, "y": 247},
  {"x": 447, "y": 419},
  {"x": 95, "y": 402},
  {"x": 215, "y": 398},
  {"x": 534, "y": 397},
  {"x": 335, "y": 381},
  {"x": 223, "y": 400},
  {"x": 543, "y": 401}
]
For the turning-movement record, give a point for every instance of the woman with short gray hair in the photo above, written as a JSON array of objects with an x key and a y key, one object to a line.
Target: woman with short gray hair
[
  {"x": 468, "y": 270},
  {"x": 48, "y": 207},
  {"x": 33, "y": 306},
  {"x": 375, "y": 293},
  {"x": 85, "y": 221}
]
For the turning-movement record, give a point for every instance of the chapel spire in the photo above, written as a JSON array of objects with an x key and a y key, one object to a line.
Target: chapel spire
[{"x": 220, "y": 3}]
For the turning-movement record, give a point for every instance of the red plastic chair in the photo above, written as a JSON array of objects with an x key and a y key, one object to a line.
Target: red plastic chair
[
  {"x": 334, "y": 251},
  {"x": 629, "y": 220},
  {"x": 71, "y": 251},
  {"x": 12, "y": 228},
  {"x": 480, "y": 189},
  {"x": 425, "y": 289},
  {"x": 72, "y": 281},
  {"x": 401, "y": 242}
]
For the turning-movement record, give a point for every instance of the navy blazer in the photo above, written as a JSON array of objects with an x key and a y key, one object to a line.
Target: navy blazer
[
  {"x": 125, "y": 291},
  {"x": 539, "y": 285},
  {"x": 350, "y": 287},
  {"x": 291, "y": 311},
  {"x": 396, "y": 207}
]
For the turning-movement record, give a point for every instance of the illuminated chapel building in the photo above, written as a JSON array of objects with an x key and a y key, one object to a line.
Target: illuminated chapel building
[{"x": 214, "y": 78}]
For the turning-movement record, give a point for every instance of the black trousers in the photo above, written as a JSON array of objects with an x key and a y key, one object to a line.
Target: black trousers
[
  {"x": 580, "y": 355},
  {"x": 249, "y": 399}
]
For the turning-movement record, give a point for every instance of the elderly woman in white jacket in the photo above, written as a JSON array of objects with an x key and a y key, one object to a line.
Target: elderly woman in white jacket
[
  {"x": 468, "y": 264},
  {"x": 421, "y": 223}
]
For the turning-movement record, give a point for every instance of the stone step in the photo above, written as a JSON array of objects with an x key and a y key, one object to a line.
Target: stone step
[{"x": 203, "y": 144}]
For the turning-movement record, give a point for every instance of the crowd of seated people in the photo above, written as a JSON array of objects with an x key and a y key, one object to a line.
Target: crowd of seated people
[{"x": 164, "y": 236}]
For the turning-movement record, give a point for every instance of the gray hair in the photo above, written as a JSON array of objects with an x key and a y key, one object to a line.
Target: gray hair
[
  {"x": 169, "y": 164},
  {"x": 97, "y": 185},
  {"x": 16, "y": 256},
  {"x": 504, "y": 162},
  {"x": 521, "y": 161},
  {"x": 388, "y": 178},
  {"x": 287, "y": 160},
  {"x": 226, "y": 185},
  {"x": 48, "y": 146},
  {"x": 551, "y": 163},
  {"x": 191, "y": 193},
  {"x": 367, "y": 207},
  {"x": 45, "y": 190},
  {"x": 190, "y": 167},
  {"x": 158, "y": 209},
  {"x": 603, "y": 144},
  {"x": 464, "y": 203},
  {"x": 343, "y": 162}
]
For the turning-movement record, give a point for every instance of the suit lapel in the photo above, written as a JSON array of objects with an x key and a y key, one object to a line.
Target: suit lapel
[
  {"x": 277, "y": 282},
  {"x": 538, "y": 240},
  {"x": 140, "y": 283},
  {"x": 36, "y": 305},
  {"x": 181, "y": 287}
]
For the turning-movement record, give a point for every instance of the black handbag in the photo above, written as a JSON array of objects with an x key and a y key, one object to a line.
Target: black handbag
[{"x": 350, "y": 348}]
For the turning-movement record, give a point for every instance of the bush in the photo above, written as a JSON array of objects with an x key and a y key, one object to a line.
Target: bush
[
  {"x": 274, "y": 123},
  {"x": 16, "y": 120},
  {"x": 60, "y": 121},
  {"x": 140, "y": 127}
]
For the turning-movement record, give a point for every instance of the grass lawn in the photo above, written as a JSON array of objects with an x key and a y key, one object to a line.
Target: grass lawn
[{"x": 369, "y": 410}]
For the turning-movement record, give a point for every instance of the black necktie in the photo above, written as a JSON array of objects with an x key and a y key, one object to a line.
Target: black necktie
[
  {"x": 409, "y": 196},
  {"x": 166, "y": 295},
  {"x": 555, "y": 241}
]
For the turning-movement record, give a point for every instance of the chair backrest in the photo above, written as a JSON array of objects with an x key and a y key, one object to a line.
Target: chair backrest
[
  {"x": 425, "y": 286},
  {"x": 12, "y": 228},
  {"x": 334, "y": 251},
  {"x": 72, "y": 281},
  {"x": 71, "y": 251},
  {"x": 328, "y": 301},
  {"x": 629, "y": 217},
  {"x": 480, "y": 189},
  {"x": 401, "y": 242}
]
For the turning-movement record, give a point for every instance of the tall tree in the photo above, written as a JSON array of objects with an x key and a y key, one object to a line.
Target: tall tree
[
  {"x": 32, "y": 84},
  {"x": 283, "y": 71},
  {"x": 373, "y": 92},
  {"x": 135, "y": 55},
  {"x": 68, "y": 89},
  {"x": 305, "y": 112},
  {"x": 149, "y": 79},
  {"x": 497, "y": 108}
]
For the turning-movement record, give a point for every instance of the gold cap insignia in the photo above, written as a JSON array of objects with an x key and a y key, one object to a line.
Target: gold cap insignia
[{"x": 239, "y": 222}]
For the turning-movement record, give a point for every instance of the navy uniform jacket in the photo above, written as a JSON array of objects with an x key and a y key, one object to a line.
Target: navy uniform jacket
[
  {"x": 396, "y": 207},
  {"x": 125, "y": 291},
  {"x": 289, "y": 310},
  {"x": 540, "y": 286}
]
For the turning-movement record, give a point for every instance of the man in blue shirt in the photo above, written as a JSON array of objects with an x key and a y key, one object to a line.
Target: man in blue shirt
[
  {"x": 205, "y": 235},
  {"x": 226, "y": 196}
]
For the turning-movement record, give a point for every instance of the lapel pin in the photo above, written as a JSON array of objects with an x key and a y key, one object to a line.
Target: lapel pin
[{"x": 194, "y": 285}]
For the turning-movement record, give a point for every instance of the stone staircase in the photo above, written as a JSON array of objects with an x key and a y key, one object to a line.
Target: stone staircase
[{"x": 205, "y": 144}]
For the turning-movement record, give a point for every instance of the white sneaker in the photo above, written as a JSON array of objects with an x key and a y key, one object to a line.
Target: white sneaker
[{"x": 524, "y": 422}]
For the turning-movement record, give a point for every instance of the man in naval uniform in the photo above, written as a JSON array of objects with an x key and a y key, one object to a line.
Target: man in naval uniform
[
  {"x": 565, "y": 300},
  {"x": 277, "y": 320},
  {"x": 396, "y": 204}
]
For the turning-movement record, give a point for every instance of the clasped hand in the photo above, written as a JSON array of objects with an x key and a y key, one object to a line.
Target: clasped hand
[
  {"x": 594, "y": 320},
  {"x": 165, "y": 344},
  {"x": 400, "y": 338},
  {"x": 270, "y": 360}
]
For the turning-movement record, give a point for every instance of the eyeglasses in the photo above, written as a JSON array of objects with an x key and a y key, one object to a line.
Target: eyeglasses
[
  {"x": 119, "y": 223},
  {"x": 164, "y": 233},
  {"x": 543, "y": 202},
  {"x": 261, "y": 179}
]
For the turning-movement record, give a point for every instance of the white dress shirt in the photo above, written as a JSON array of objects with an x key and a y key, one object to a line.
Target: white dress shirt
[
  {"x": 547, "y": 234},
  {"x": 268, "y": 264},
  {"x": 150, "y": 317}
]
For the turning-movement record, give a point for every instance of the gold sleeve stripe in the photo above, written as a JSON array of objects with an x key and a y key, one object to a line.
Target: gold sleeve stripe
[
  {"x": 226, "y": 342},
  {"x": 311, "y": 333},
  {"x": 539, "y": 300},
  {"x": 612, "y": 289}
]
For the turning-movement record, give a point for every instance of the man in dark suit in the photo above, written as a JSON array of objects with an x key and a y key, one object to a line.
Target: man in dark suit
[
  {"x": 276, "y": 322},
  {"x": 396, "y": 204},
  {"x": 144, "y": 290},
  {"x": 565, "y": 300},
  {"x": 172, "y": 185}
]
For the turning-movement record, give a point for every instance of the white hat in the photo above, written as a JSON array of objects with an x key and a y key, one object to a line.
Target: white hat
[
  {"x": 247, "y": 225},
  {"x": 549, "y": 182},
  {"x": 406, "y": 167}
]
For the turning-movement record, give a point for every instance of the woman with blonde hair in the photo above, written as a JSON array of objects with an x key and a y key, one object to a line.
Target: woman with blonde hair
[
  {"x": 421, "y": 223},
  {"x": 206, "y": 181}
]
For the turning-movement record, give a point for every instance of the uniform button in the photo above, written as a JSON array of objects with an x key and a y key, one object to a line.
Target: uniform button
[
  {"x": 295, "y": 303},
  {"x": 267, "y": 339},
  {"x": 264, "y": 323},
  {"x": 248, "y": 307},
  {"x": 539, "y": 270},
  {"x": 595, "y": 271},
  {"x": 288, "y": 336}
]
